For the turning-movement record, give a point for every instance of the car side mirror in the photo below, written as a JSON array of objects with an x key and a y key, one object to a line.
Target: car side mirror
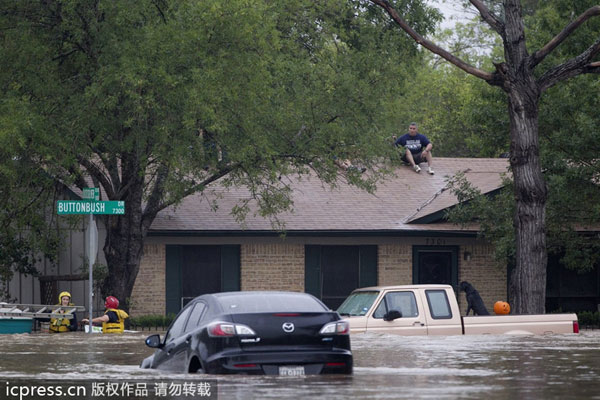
[
  {"x": 154, "y": 341},
  {"x": 392, "y": 315}
]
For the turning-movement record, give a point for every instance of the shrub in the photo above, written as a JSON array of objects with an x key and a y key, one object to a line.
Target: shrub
[
  {"x": 152, "y": 321},
  {"x": 589, "y": 318}
]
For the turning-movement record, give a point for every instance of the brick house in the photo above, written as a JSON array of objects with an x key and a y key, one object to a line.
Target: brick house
[{"x": 335, "y": 241}]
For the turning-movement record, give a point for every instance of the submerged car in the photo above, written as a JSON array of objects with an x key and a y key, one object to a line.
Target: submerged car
[{"x": 274, "y": 333}]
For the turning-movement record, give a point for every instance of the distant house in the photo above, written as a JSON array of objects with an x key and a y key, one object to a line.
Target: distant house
[{"x": 335, "y": 240}]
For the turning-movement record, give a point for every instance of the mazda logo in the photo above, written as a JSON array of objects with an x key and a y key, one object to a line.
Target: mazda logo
[{"x": 288, "y": 327}]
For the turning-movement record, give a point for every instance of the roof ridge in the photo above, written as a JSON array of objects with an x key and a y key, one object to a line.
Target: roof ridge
[{"x": 425, "y": 204}]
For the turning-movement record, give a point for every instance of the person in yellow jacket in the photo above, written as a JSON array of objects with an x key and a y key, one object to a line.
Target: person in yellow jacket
[
  {"x": 63, "y": 324},
  {"x": 113, "y": 320}
]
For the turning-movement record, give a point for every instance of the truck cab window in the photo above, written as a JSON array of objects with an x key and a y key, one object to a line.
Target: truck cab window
[
  {"x": 438, "y": 304},
  {"x": 404, "y": 302}
]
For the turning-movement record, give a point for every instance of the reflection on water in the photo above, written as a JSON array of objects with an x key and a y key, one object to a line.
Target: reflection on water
[{"x": 495, "y": 367}]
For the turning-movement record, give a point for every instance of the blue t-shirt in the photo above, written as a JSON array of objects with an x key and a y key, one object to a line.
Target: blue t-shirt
[{"x": 414, "y": 143}]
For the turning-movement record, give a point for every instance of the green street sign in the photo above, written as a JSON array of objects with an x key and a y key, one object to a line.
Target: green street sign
[
  {"x": 91, "y": 194},
  {"x": 64, "y": 207}
]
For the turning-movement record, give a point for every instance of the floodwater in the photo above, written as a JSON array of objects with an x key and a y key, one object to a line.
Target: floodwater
[{"x": 386, "y": 367}]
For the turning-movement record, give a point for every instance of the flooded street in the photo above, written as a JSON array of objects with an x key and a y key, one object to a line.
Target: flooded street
[{"x": 386, "y": 367}]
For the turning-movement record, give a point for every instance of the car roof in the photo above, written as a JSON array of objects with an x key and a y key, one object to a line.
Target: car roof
[{"x": 259, "y": 293}]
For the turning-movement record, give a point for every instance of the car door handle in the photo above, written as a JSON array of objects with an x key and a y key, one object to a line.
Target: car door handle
[{"x": 418, "y": 323}]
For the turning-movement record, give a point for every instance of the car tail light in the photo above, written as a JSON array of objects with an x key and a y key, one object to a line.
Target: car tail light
[
  {"x": 227, "y": 329},
  {"x": 336, "y": 328},
  {"x": 244, "y": 330},
  {"x": 221, "y": 329},
  {"x": 575, "y": 327},
  {"x": 335, "y": 364}
]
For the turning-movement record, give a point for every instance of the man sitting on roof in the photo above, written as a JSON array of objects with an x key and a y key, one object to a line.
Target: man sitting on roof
[{"x": 417, "y": 148}]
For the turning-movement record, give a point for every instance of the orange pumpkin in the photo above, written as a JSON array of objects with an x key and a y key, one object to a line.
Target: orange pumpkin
[{"x": 501, "y": 308}]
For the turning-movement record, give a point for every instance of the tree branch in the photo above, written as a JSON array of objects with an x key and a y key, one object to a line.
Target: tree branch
[
  {"x": 576, "y": 66},
  {"x": 200, "y": 186},
  {"x": 153, "y": 206},
  {"x": 434, "y": 48},
  {"x": 539, "y": 55},
  {"x": 98, "y": 174},
  {"x": 488, "y": 17}
]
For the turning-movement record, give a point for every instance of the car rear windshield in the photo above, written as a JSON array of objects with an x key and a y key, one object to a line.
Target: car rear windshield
[
  {"x": 358, "y": 303},
  {"x": 270, "y": 302}
]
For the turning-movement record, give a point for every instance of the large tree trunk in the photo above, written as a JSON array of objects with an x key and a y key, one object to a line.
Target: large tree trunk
[
  {"x": 123, "y": 249},
  {"x": 528, "y": 279},
  {"x": 515, "y": 76}
]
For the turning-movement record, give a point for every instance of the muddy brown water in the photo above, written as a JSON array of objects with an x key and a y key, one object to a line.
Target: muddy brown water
[{"x": 386, "y": 367}]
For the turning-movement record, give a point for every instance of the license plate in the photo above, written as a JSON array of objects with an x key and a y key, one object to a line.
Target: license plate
[{"x": 296, "y": 370}]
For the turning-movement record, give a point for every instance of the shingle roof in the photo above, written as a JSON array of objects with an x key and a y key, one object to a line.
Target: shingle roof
[{"x": 397, "y": 202}]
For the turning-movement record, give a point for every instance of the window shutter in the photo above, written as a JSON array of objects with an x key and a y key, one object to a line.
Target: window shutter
[
  {"x": 368, "y": 266},
  {"x": 312, "y": 270},
  {"x": 230, "y": 268},
  {"x": 173, "y": 278}
]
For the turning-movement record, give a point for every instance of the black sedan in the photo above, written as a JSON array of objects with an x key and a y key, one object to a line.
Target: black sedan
[{"x": 275, "y": 333}]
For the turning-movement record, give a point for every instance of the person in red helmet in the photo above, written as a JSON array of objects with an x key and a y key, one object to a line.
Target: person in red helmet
[{"x": 113, "y": 320}]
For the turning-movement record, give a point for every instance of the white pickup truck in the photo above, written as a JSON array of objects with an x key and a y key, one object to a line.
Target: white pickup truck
[{"x": 433, "y": 310}]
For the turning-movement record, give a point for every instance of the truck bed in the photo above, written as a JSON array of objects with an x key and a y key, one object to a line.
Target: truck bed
[{"x": 519, "y": 324}]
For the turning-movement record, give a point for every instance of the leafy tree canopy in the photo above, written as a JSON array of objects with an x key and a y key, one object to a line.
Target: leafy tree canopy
[
  {"x": 569, "y": 143},
  {"x": 155, "y": 100}
]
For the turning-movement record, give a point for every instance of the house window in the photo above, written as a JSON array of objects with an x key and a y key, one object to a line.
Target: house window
[
  {"x": 569, "y": 290},
  {"x": 193, "y": 270},
  {"x": 333, "y": 272}
]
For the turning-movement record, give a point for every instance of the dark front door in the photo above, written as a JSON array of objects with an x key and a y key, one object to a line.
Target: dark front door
[{"x": 435, "y": 264}]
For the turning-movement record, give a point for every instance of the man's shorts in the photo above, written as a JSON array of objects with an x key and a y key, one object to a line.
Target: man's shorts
[{"x": 417, "y": 157}]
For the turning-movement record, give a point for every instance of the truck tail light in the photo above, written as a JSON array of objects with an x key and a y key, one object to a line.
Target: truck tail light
[
  {"x": 575, "y": 327},
  {"x": 336, "y": 328}
]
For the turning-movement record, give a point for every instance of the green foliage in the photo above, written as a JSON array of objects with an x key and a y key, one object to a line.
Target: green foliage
[
  {"x": 570, "y": 139},
  {"x": 461, "y": 114},
  {"x": 464, "y": 114},
  {"x": 154, "y": 100},
  {"x": 494, "y": 212},
  {"x": 27, "y": 233},
  {"x": 589, "y": 319},
  {"x": 152, "y": 321}
]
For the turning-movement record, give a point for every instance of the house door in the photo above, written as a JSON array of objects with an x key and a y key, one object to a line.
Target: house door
[{"x": 435, "y": 264}]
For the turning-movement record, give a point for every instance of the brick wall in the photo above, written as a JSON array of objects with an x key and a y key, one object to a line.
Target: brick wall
[
  {"x": 272, "y": 267},
  {"x": 483, "y": 273},
  {"x": 279, "y": 266},
  {"x": 148, "y": 296},
  {"x": 395, "y": 264}
]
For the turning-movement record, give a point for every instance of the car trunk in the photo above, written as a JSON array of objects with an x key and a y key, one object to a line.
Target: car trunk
[{"x": 269, "y": 328}]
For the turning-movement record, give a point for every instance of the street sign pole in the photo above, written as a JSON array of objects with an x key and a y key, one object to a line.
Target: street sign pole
[
  {"x": 91, "y": 274},
  {"x": 91, "y": 205}
]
